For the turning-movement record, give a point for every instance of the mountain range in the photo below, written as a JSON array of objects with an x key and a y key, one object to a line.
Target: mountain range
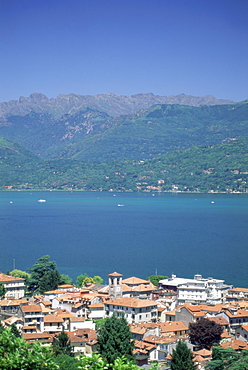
[{"x": 76, "y": 141}]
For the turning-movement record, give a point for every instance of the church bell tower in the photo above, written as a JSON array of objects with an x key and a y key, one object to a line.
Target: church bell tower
[{"x": 115, "y": 285}]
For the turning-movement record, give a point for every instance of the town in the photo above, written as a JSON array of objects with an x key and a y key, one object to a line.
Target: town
[{"x": 158, "y": 316}]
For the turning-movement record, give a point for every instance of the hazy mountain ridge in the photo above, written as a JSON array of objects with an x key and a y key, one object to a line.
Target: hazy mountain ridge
[
  {"x": 92, "y": 135},
  {"x": 112, "y": 104}
]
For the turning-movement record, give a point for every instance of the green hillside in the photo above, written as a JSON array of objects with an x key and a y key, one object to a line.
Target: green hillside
[
  {"x": 94, "y": 136},
  {"x": 219, "y": 168}
]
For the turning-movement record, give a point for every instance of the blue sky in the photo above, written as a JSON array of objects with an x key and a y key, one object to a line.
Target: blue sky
[{"x": 88, "y": 47}]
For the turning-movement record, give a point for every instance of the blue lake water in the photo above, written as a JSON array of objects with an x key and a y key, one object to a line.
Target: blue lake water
[{"x": 165, "y": 233}]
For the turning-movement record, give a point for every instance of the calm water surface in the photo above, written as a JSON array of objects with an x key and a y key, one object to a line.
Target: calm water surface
[{"x": 132, "y": 233}]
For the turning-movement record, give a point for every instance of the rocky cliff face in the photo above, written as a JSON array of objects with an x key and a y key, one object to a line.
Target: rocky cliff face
[{"x": 112, "y": 104}]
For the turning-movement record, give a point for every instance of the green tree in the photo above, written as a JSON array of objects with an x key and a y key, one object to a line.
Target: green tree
[
  {"x": 49, "y": 281},
  {"x": 204, "y": 333},
  {"x": 228, "y": 359},
  {"x": 182, "y": 358},
  {"x": 99, "y": 323},
  {"x": 88, "y": 280},
  {"x": 15, "y": 331},
  {"x": 80, "y": 280},
  {"x": 154, "y": 279},
  {"x": 98, "y": 280},
  {"x": 66, "y": 362},
  {"x": 16, "y": 353},
  {"x": 114, "y": 339},
  {"x": 2, "y": 290},
  {"x": 41, "y": 272},
  {"x": 62, "y": 345},
  {"x": 95, "y": 362},
  {"x": 65, "y": 279}
]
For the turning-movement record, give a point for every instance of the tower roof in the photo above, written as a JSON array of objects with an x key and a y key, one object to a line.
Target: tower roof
[{"x": 115, "y": 274}]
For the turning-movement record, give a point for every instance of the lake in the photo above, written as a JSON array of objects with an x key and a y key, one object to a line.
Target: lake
[{"x": 136, "y": 234}]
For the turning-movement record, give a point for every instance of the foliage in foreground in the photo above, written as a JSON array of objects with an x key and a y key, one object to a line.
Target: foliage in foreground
[
  {"x": 228, "y": 359},
  {"x": 62, "y": 345},
  {"x": 16, "y": 353}
]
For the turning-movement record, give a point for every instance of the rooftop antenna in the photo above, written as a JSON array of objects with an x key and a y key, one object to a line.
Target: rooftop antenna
[{"x": 13, "y": 263}]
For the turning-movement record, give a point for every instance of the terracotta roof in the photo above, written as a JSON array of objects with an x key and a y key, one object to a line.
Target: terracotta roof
[
  {"x": 52, "y": 318},
  {"x": 144, "y": 288},
  {"x": 77, "y": 319},
  {"x": 239, "y": 313},
  {"x": 131, "y": 302},
  {"x": 137, "y": 329},
  {"x": 203, "y": 353},
  {"x": 244, "y": 290},
  {"x": 235, "y": 344},
  {"x": 64, "y": 313},
  {"x": 171, "y": 313},
  {"x": 11, "y": 320},
  {"x": 199, "y": 359},
  {"x": 31, "y": 308},
  {"x": 115, "y": 274},
  {"x": 225, "y": 334},
  {"x": 142, "y": 347},
  {"x": 6, "y": 278},
  {"x": 135, "y": 281},
  {"x": 44, "y": 337},
  {"x": 96, "y": 305},
  {"x": 218, "y": 320},
  {"x": 54, "y": 292},
  {"x": 12, "y": 302},
  {"x": 160, "y": 340},
  {"x": 172, "y": 326}
]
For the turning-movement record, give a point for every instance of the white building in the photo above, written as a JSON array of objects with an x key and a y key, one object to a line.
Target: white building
[
  {"x": 133, "y": 309},
  {"x": 198, "y": 290},
  {"x": 14, "y": 286}
]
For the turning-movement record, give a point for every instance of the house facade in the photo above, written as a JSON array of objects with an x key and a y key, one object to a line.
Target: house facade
[
  {"x": 15, "y": 286},
  {"x": 133, "y": 309},
  {"x": 198, "y": 290}
]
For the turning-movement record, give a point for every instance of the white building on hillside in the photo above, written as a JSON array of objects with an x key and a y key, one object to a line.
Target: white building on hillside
[
  {"x": 14, "y": 286},
  {"x": 198, "y": 290},
  {"x": 133, "y": 309}
]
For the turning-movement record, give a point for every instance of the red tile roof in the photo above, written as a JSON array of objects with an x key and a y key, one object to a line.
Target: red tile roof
[
  {"x": 7, "y": 278},
  {"x": 115, "y": 274},
  {"x": 31, "y": 308},
  {"x": 131, "y": 302}
]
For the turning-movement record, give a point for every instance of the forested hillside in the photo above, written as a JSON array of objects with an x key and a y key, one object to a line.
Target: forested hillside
[
  {"x": 217, "y": 168},
  {"x": 92, "y": 135}
]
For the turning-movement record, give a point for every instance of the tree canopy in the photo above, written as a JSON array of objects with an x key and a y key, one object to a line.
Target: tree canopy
[
  {"x": 16, "y": 353},
  {"x": 227, "y": 359},
  {"x": 2, "y": 290},
  {"x": 114, "y": 339},
  {"x": 44, "y": 275},
  {"x": 182, "y": 358},
  {"x": 154, "y": 279},
  {"x": 204, "y": 333},
  {"x": 62, "y": 345}
]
